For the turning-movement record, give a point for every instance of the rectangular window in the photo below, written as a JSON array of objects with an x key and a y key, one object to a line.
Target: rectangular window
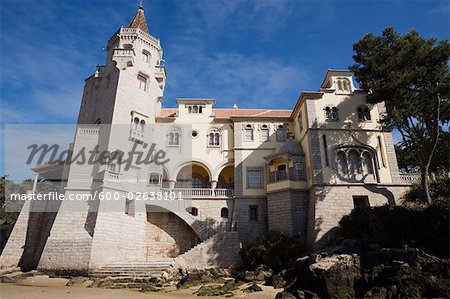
[
  {"x": 380, "y": 145},
  {"x": 264, "y": 134},
  {"x": 144, "y": 57},
  {"x": 361, "y": 201},
  {"x": 325, "y": 148},
  {"x": 299, "y": 170},
  {"x": 300, "y": 122},
  {"x": 129, "y": 207},
  {"x": 281, "y": 134},
  {"x": 253, "y": 213},
  {"x": 248, "y": 134},
  {"x": 254, "y": 178},
  {"x": 142, "y": 81},
  {"x": 153, "y": 179}
]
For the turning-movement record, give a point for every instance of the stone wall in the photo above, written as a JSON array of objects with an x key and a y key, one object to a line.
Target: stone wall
[
  {"x": 167, "y": 235},
  {"x": 328, "y": 204},
  {"x": 250, "y": 229},
  {"x": 288, "y": 212},
  {"x": 219, "y": 251}
]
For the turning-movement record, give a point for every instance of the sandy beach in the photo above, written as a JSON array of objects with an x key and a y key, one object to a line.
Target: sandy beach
[{"x": 43, "y": 287}]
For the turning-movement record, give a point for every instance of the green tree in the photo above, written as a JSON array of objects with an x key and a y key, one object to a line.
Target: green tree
[{"x": 410, "y": 74}]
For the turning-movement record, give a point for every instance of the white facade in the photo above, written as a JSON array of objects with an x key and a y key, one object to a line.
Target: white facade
[{"x": 243, "y": 171}]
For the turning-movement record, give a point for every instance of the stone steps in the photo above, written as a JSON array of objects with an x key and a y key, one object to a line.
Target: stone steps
[{"x": 130, "y": 272}]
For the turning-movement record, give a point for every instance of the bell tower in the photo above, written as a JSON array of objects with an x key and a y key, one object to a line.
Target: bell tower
[{"x": 131, "y": 81}]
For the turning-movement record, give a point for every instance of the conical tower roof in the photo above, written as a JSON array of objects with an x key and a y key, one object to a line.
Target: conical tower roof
[{"x": 138, "y": 20}]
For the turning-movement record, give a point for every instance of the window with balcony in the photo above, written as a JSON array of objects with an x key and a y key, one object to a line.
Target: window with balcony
[
  {"x": 214, "y": 137},
  {"x": 173, "y": 137},
  {"x": 281, "y": 133},
  {"x": 254, "y": 178},
  {"x": 265, "y": 135},
  {"x": 142, "y": 82},
  {"x": 331, "y": 113},
  {"x": 363, "y": 113},
  {"x": 248, "y": 133}
]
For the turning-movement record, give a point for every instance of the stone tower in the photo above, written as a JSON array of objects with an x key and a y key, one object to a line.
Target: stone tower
[{"x": 121, "y": 98}]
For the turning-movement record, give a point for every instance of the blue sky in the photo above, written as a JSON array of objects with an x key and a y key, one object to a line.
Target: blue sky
[{"x": 255, "y": 53}]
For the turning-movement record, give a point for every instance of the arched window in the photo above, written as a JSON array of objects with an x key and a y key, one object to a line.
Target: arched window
[
  {"x": 363, "y": 113},
  {"x": 114, "y": 162},
  {"x": 331, "y": 113},
  {"x": 193, "y": 211},
  {"x": 354, "y": 162},
  {"x": 344, "y": 85},
  {"x": 224, "y": 213},
  {"x": 136, "y": 123},
  {"x": 142, "y": 82},
  {"x": 281, "y": 133},
  {"x": 214, "y": 137},
  {"x": 342, "y": 163},
  {"x": 142, "y": 125},
  {"x": 173, "y": 137},
  {"x": 367, "y": 163},
  {"x": 248, "y": 133},
  {"x": 196, "y": 182},
  {"x": 195, "y": 109}
]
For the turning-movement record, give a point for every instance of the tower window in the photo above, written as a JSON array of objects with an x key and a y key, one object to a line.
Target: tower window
[
  {"x": 114, "y": 162},
  {"x": 145, "y": 57},
  {"x": 363, "y": 113},
  {"x": 331, "y": 113},
  {"x": 142, "y": 82},
  {"x": 343, "y": 85}
]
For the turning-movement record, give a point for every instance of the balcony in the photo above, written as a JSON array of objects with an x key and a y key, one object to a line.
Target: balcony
[
  {"x": 283, "y": 175},
  {"x": 137, "y": 136},
  {"x": 202, "y": 192},
  {"x": 409, "y": 178}
]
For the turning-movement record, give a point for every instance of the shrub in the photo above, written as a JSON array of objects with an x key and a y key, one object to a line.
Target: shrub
[
  {"x": 439, "y": 190},
  {"x": 276, "y": 250},
  {"x": 426, "y": 228}
]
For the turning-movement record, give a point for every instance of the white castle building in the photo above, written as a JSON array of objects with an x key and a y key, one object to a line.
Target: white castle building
[{"x": 240, "y": 172}]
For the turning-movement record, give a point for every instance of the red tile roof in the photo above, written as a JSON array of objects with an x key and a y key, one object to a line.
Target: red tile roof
[
  {"x": 139, "y": 21},
  {"x": 229, "y": 113}
]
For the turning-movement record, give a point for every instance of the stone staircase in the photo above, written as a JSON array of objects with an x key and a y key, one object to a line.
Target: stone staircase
[{"x": 132, "y": 272}]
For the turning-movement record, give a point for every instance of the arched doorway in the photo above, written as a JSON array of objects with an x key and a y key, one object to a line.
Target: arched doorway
[
  {"x": 226, "y": 178},
  {"x": 193, "y": 176}
]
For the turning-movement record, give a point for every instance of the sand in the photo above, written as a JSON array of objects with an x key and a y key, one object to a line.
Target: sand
[{"x": 43, "y": 287}]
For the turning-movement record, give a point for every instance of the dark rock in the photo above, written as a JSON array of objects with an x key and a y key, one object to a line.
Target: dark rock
[
  {"x": 276, "y": 280},
  {"x": 217, "y": 290},
  {"x": 285, "y": 295},
  {"x": 253, "y": 288},
  {"x": 199, "y": 277}
]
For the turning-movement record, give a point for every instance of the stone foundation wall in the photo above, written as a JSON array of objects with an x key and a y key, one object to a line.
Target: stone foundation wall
[
  {"x": 329, "y": 204},
  {"x": 167, "y": 236},
  {"x": 219, "y": 251},
  {"x": 288, "y": 212},
  {"x": 250, "y": 229}
]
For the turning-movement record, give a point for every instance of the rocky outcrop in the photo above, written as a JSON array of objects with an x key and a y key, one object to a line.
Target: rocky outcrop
[{"x": 383, "y": 273}]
